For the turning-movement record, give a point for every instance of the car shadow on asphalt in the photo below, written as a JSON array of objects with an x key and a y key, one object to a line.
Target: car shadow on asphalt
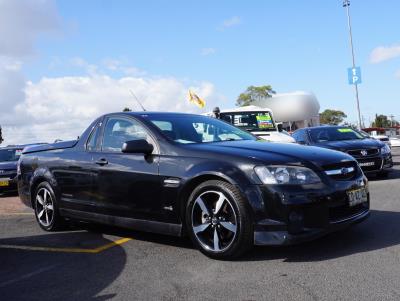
[
  {"x": 179, "y": 242},
  {"x": 394, "y": 174},
  {"x": 56, "y": 272},
  {"x": 379, "y": 231}
]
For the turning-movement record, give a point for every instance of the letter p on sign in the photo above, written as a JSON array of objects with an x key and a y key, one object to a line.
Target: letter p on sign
[{"x": 354, "y": 75}]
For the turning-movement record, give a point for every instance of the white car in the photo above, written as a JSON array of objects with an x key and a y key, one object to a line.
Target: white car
[{"x": 394, "y": 141}]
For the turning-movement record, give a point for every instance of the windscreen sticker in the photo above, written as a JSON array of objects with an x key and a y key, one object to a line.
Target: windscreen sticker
[
  {"x": 264, "y": 121},
  {"x": 18, "y": 152},
  {"x": 345, "y": 130}
]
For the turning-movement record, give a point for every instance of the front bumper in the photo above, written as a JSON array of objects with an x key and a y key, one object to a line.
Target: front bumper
[
  {"x": 12, "y": 183},
  {"x": 379, "y": 163},
  {"x": 296, "y": 214},
  {"x": 262, "y": 238}
]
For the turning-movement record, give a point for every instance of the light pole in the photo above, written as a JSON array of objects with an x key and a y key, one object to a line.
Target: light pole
[{"x": 346, "y": 4}]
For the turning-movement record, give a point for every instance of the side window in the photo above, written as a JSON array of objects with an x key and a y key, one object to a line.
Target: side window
[
  {"x": 119, "y": 130},
  {"x": 92, "y": 142}
]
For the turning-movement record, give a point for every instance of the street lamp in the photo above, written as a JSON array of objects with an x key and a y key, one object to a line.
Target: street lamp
[{"x": 346, "y": 4}]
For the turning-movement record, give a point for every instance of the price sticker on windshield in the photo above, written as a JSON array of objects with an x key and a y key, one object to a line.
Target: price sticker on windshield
[
  {"x": 264, "y": 121},
  {"x": 345, "y": 130},
  {"x": 18, "y": 152}
]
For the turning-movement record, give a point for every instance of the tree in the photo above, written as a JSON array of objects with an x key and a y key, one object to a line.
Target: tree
[
  {"x": 334, "y": 117},
  {"x": 126, "y": 109},
  {"x": 381, "y": 121},
  {"x": 254, "y": 93},
  {"x": 1, "y": 136}
]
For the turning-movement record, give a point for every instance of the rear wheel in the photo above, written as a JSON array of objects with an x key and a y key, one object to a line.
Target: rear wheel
[
  {"x": 46, "y": 208},
  {"x": 218, "y": 220}
]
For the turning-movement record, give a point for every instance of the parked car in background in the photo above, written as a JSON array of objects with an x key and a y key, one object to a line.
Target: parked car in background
[
  {"x": 8, "y": 167},
  {"x": 9, "y": 157},
  {"x": 258, "y": 121},
  {"x": 394, "y": 141},
  {"x": 372, "y": 155},
  {"x": 188, "y": 174}
]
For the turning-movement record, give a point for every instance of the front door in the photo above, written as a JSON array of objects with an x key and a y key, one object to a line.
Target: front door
[{"x": 126, "y": 185}]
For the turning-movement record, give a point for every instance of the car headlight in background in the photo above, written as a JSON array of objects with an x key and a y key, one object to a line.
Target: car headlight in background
[
  {"x": 385, "y": 149},
  {"x": 286, "y": 175}
]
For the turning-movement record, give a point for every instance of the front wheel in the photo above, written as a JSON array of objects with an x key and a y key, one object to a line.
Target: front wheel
[
  {"x": 46, "y": 208},
  {"x": 218, "y": 220}
]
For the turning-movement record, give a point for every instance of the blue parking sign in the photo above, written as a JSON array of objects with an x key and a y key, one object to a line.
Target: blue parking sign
[{"x": 354, "y": 75}]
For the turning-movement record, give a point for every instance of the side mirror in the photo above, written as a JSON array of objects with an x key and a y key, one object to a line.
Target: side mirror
[
  {"x": 139, "y": 146},
  {"x": 280, "y": 127}
]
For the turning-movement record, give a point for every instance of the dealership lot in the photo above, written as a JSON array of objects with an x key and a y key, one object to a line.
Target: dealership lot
[{"x": 97, "y": 262}]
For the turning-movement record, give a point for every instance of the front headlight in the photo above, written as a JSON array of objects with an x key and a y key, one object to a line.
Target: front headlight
[
  {"x": 286, "y": 175},
  {"x": 385, "y": 149}
]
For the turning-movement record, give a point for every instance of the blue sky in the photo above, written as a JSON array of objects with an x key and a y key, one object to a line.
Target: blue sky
[{"x": 292, "y": 45}]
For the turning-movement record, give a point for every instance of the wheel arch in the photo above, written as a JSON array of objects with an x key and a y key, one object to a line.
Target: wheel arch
[
  {"x": 190, "y": 185},
  {"x": 41, "y": 175}
]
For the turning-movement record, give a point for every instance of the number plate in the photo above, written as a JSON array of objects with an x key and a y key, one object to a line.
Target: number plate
[
  {"x": 357, "y": 196},
  {"x": 4, "y": 183},
  {"x": 367, "y": 163}
]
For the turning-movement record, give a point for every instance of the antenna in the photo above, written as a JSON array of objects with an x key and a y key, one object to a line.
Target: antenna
[{"x": 137, "y": 99}]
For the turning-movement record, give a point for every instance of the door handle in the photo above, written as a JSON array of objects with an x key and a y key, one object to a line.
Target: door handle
[{"x": 102, "y": 161}]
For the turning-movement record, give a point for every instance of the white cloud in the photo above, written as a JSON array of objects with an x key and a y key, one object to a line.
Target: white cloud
[
  {"x": 382, "y": 53},
  {"x": 207, "y": 51},
  {"x": 233, "y": 21},
  {"x": 61, "y": 108},
  {"x": 21, "y": 22}
]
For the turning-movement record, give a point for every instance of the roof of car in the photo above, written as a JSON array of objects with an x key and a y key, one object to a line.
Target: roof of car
[{"x": 152, "y": 113}]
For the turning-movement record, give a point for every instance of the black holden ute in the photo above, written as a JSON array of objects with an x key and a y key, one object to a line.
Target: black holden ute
[
  {"x": 184, "y": 174},
  {"x": 372, "y": 155}
]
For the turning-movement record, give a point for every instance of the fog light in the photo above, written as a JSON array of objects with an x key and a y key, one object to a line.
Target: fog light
[{"x": 296, "y": 222}]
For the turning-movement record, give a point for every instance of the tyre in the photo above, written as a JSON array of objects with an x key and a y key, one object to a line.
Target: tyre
[
  {"x": 218, "y": 220},
  {"x": 46, "y": 208}
]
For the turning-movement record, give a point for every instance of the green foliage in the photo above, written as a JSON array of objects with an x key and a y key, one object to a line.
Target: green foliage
[
  {"x": 126, "y": 109},
  {"x": 254, "y": 93},
  {"x": 333, "y": 117},
  {"x": 382, "y": 121}
]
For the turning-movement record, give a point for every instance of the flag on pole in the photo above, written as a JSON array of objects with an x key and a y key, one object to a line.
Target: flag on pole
[{"x": 193, "y": 98}]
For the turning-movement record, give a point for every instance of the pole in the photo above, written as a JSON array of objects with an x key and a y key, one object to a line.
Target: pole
[{"x": 346, "y": 3}]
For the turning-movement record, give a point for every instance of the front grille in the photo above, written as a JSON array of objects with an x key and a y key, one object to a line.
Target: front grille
[
  {"x": 7, "y": 172},
  {"x": 345, "y": 211},
  {"x": 341, "y": 171},
  {"x": 361, "y": 153}
]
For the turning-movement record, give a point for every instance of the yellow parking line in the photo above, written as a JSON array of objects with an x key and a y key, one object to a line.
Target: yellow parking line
[
  {"x": 69, "y": 250},
  {"x": 16, "y": 213}
]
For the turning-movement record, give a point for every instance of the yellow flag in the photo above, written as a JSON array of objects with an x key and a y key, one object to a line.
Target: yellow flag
[{"x": 193, "y": 98}]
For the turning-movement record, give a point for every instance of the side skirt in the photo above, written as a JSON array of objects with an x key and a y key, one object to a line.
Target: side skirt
[{"x": 124, "y": 222}]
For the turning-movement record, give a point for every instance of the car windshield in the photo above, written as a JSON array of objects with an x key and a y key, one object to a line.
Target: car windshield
[
  {"x": 250, "y": 121},
  {"x": 8, "y": 155},
  {"x": 325, "y": 134},
  {"x": 197, "y": 129}
]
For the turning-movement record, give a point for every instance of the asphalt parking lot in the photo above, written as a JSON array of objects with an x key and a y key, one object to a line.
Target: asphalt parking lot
[{"x": 100, "y": 263}]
